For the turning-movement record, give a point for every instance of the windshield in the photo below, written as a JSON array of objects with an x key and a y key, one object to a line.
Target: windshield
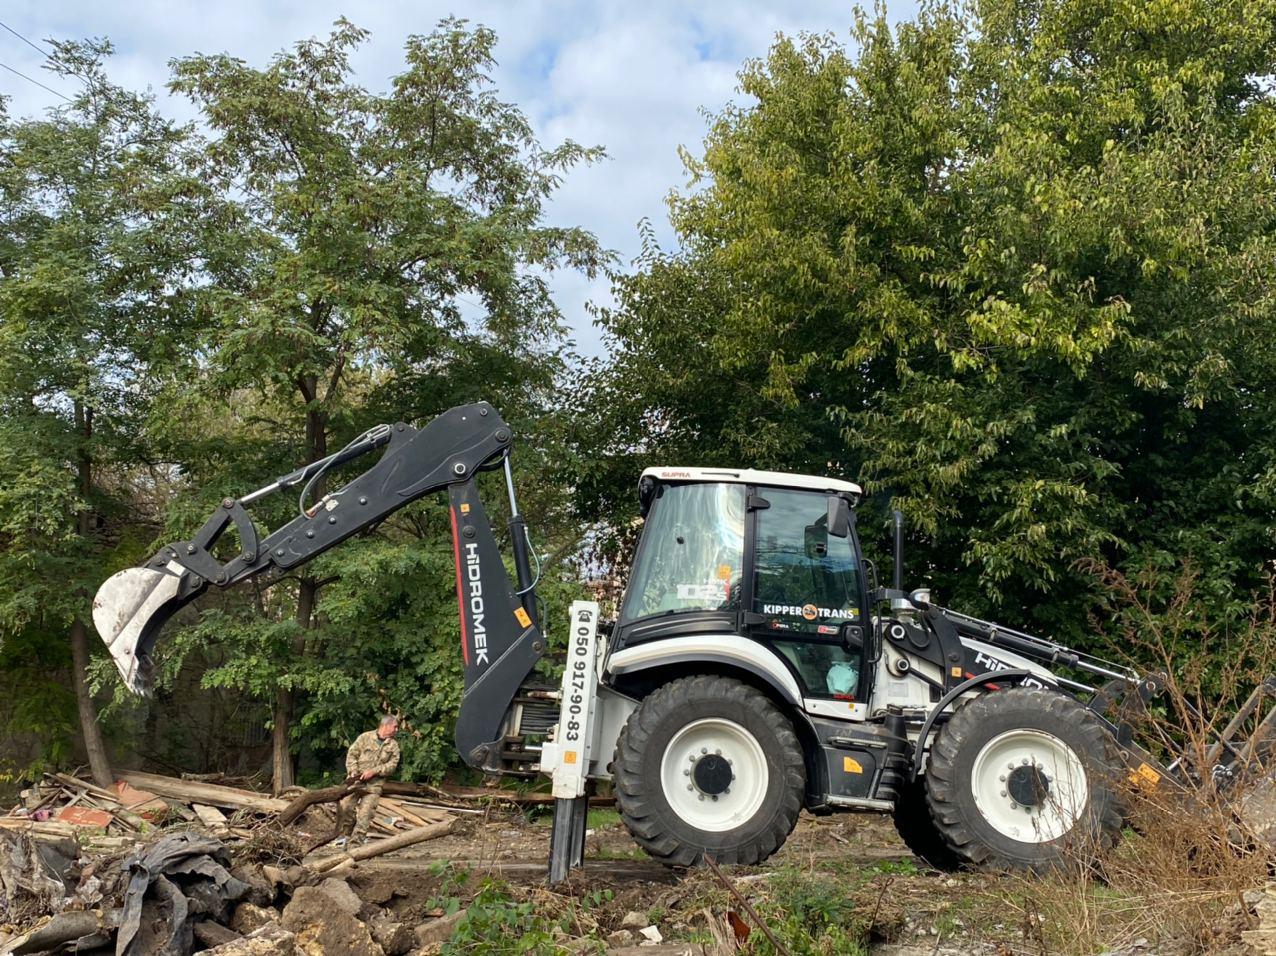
[{"x": 692, "y": 552}]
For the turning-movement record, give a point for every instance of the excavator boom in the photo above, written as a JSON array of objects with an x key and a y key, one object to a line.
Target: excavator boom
[{"x": 500, "y": 637}]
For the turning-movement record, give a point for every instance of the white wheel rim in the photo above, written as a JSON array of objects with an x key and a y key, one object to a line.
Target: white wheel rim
[
  {"x": 1013, "y": 763},
  {"x": 717, "y": 739}
]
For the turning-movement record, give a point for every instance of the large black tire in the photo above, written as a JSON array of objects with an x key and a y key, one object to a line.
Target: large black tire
[
  {"x": 961, "y": 766},
  {"x": 668, "y": 714},
  {"x": 917, "y": 828}
]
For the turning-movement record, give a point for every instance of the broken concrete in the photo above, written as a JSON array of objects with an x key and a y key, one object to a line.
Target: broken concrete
[
  {"x": 324, "y": 929},
  {"x": 269, "y": 940},
  {"x": 249, "y": 917},
  {"x": 391, "y": 935},
  {"x": 341, "y": 896},
  {"x": 430, "y": 936}
]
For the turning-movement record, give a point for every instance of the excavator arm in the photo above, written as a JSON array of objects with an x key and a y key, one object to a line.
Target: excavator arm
[{"x": 500, "y": 636}]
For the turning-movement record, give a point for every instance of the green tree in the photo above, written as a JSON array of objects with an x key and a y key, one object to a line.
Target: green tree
[
  {"x": 95, "y": 254},
  {"x": 1011, "y": 267},
  {"x": 389, "y": 259}
]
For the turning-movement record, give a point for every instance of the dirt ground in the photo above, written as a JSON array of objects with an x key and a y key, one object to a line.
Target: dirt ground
[{"x": 843, "y": 870}]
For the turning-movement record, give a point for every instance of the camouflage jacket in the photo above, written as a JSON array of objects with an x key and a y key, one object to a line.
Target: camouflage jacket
[{"x": 370, "y": 752}]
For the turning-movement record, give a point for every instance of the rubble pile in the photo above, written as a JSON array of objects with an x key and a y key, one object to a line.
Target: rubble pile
[{"x": 162, "y": 866}]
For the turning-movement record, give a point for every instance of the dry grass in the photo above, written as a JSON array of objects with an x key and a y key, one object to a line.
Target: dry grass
[{"x": 1191, "y": 850}]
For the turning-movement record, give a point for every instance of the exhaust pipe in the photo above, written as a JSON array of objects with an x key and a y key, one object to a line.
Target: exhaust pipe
[{"x": 897, "y": 550}]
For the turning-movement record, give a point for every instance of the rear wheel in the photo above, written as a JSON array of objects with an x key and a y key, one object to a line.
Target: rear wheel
[
  {"x": 917, "y": 829},
  {"x": 709, "y": 764},
  {"x": 1024, "y": 778}
]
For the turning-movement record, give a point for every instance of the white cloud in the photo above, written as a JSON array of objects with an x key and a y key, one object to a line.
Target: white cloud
[{"x": 633, "y": 78}]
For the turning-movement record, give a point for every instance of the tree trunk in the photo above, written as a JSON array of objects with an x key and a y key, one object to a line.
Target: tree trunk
[
  {"x": 99, "y": 764},
  {"x": 285, "y": 700},
  {"x": 94, "y": 745}
]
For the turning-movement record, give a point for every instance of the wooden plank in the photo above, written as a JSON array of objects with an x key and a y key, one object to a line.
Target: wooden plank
[
  {"x": 210, "y": 794},
  {"x": 369, "y": 850},
  {"x": 212, "y": 818}
]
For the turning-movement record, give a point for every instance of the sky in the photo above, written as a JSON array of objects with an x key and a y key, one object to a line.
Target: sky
[{"x": 634, "y": 78}]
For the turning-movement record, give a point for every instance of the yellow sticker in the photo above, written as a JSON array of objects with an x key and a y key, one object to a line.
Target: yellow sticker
[
  {"x": 724, "y": 572},
  {"x": 851, "y": 765},
  {"x": 956, "y": 671},
  {"x": 523, "y": 617},
  {"x": 465, "y": 508},
  {"x": 569, "y": 757},
  {"x": 1145, "y": 776}
]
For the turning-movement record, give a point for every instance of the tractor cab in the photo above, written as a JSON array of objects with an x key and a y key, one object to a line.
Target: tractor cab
[{"x": 760, "y": 567}]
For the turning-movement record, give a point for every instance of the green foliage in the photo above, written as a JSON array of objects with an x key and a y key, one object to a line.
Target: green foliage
[
  {"x": 96, "y": 203},
  {"x": 813, "y": 915},
  {"x": 385, "y": 259},
  {"x": 1008, "y": 265}
]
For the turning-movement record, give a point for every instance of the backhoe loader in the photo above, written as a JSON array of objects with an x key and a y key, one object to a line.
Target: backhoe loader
[{"x": 755, "y": 668}]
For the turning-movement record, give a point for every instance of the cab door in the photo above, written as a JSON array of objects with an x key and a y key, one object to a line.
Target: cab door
[{"x": 807, "y": 599}]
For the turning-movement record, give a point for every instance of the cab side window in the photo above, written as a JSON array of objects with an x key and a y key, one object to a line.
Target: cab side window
[{"x": 804, "y": 578}]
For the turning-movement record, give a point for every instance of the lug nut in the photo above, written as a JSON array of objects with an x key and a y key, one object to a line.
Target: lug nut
[
  {"x": 715, "y": 798},
  {"x": 1002, "y": 778},
  {"x": 1003, "y": 793},
  {"x": 701, "y": 796},
  {"x": 690, "y": 787},
  {"x": 686, "y": 773},
  {"x": 704, "y": 750}
]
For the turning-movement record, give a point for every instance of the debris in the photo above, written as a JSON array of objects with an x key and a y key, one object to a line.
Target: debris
[
  {"x": 85, "y": 817},
  {"x": 180, "y": 875},
  {"x": 341, "y": 896},
  {"x": 271, "y": 940},
  {"x": 211, "y": 794},
  {"x": 212, "y": 818},
  {"x": 391, "y": 935},
  {"x": 249, "y": 917},
  {"x": 419, "y": 835},
  {"x": 214, "y": 934},
  {"x": 652, "y": 934},
  {"x": 323, "y": 928},
  {"x": 437, "y": 932},
  {"x": 64, "y": 928}
]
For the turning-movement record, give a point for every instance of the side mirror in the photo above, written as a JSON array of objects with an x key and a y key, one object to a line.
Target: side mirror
[{"x": 839, "y": 517}]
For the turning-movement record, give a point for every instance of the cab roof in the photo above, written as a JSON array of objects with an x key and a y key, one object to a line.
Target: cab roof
[{"x": 748, "y": 476}]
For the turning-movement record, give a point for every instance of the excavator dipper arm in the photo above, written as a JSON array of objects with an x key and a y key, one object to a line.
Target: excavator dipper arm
[{"x": 500, "y": 639}]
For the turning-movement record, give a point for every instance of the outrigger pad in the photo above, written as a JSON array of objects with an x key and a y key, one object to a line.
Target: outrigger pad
[{"x": 128, "y": 611}]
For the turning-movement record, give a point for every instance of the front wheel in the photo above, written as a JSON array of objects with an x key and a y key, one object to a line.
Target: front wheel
[
  {"x": 709, "y": 764},
  {"x": 1024, "y": 778}
]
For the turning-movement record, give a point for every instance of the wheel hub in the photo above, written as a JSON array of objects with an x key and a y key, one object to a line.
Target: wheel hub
[
  {"x": 1028, "y": 785},
  {"x": 712, "y": 774}
]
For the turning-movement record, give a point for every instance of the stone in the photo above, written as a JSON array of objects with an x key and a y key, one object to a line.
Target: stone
[
  {"x": 435, "y": 933},
  {"x": 341, "y": 895},
  {"x": 620, "y": 937},
  {"x": 392, "y": 936},
  {"x": 635, "y": 920},
  {"x": 323, "y": 928},
  {"x": 249, "y": 917},
  {"x": 261, "y": 889},
  {"x": 651, "y": 934},
  {"x": 268, "y": 940}
]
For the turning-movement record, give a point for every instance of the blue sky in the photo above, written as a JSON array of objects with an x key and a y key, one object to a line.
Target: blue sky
[{"x": 634, "y": 78}]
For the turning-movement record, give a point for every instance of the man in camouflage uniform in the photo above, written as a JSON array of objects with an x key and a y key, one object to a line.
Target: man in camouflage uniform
[{"x": 370, "y": 759}]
